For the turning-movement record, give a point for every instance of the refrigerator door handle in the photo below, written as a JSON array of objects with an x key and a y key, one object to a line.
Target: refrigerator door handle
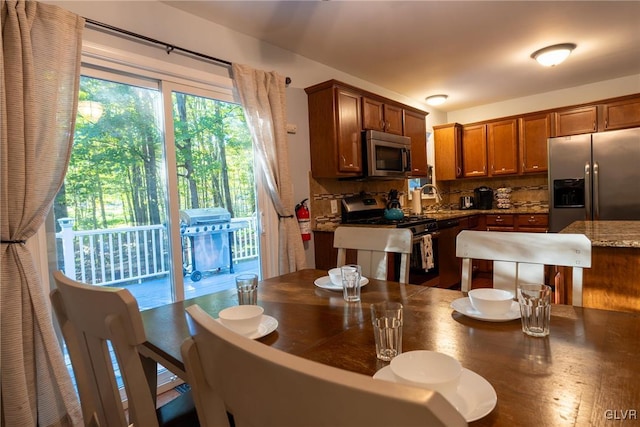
[
  {"x": 596, "y": 191},
  {"x": 587, "y": 190}
]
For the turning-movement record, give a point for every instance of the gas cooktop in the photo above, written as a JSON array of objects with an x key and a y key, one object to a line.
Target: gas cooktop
[{"x": 365, "y": 209}]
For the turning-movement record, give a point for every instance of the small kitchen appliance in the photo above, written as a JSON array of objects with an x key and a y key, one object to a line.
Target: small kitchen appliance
[
  {"x": 483, "y": 197},
  {"x": 467, "y": 202}
]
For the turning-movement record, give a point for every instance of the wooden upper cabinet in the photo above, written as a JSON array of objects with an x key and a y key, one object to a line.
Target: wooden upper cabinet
[
  {"x": 380, "y": 116},
  {"x": 448, "y": 151},
  {"x": 502, "y": 145},
  {"x": 416, "y": 129},
  {"x": 533, "y": 133},
  {"x": 620, "y": 115},
  {"x": 335, "y": 131},
  {"x": 372, "y": 114},
  {"x": 575, "y": 121},
  {"x": 338, "y": 113},
  {"x": 349, "y": 135},
  {"x": 474, "y": 150}
]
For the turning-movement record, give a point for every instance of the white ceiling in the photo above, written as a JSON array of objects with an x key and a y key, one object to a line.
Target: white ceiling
[{"x": 477, "y": 52}]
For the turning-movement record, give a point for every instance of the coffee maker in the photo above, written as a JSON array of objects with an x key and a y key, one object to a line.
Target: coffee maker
[{"x": 483, "y": 197}]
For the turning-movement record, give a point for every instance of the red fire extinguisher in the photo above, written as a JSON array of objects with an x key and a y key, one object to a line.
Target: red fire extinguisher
[{"x": 304, "y": 221}]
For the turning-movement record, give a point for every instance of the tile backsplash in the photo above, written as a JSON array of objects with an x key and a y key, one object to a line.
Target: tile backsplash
[{"x": 527, "y": 192}]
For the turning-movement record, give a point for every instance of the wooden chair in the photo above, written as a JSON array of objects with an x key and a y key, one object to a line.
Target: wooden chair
[
  {"x": 374, "y": 245},
  {"x": 91, "y": 316},
  {"x": 262, "y": 386},
  {"x": 522, "y": 257}
]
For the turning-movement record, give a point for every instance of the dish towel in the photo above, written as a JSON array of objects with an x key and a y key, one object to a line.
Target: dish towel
[{"x": 426, "y": 246}]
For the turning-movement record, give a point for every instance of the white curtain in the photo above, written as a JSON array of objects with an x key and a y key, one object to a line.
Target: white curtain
[
  {"x": 264, "y": 102},
  {"x": 39, "y": 78}
]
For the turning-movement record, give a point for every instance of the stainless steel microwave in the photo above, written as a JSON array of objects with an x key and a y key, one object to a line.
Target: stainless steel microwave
[{"x": 387, "y": 155}]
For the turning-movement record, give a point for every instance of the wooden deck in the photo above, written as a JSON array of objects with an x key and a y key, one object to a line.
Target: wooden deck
[{"x": 157, "y": 292}]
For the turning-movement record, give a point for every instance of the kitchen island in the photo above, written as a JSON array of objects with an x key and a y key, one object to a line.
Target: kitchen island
[{"x": 613, "y": 281}]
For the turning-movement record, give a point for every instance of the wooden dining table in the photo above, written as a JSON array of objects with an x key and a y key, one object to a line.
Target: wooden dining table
[{"x": 586, "y": 372}]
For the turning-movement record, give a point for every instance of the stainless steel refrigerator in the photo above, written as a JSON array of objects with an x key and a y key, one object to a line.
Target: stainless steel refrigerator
[{"x": 594, "y": 177}]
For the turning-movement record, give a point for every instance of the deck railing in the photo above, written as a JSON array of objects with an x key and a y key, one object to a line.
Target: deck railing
[{"x": 126, "y": 254}]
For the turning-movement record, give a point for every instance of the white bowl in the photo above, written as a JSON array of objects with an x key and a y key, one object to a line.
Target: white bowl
[
  {"x": 336, "y": 276},
  {"x": 243, "y": 319},
  {"x": 491, "y": 301},
  {"x": 428, "y": 369}
]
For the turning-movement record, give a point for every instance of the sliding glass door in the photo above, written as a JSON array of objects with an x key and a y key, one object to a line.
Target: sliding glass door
[{"x": 148, "y": 155}]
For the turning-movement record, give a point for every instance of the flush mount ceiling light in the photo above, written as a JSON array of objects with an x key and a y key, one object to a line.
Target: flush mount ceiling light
[
  {"x": 553, "y": 55},
  {"x": 436, "y": 99}
]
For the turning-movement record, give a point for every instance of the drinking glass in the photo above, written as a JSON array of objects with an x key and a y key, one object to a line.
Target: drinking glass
[
  {"x": 247, "y": 287},
  {"x": 387, "y": 329},
  {"x": 535, "y": 308},
  {"x": 351, "y": 274}
]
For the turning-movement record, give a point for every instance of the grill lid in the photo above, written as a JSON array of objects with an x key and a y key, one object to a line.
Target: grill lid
[{"x": 204, "y": 216}]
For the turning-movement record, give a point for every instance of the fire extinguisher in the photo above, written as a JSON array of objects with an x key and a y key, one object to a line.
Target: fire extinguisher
[{"x": 304, "y": 221}]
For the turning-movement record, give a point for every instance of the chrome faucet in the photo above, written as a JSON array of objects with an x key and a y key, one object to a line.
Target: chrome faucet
[{"x": 436, "y": 192}]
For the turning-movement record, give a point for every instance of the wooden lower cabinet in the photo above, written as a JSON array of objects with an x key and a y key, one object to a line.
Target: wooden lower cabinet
[
  {"x": 500, "y": 222},
  {"x": 611, "y": 283},
  {"x": 534, "y": 223},
  {"x": 526, "y": 223}
]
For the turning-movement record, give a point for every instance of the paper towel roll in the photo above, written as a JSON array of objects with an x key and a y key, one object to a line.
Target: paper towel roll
[{"x": 416, "y": 202}]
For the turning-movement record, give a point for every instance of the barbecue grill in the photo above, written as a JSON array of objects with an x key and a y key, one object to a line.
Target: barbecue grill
[{"x": 206, "y": 235}]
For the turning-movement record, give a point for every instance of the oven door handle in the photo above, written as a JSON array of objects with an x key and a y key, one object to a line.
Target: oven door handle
[{"x": 418, "y": 238}]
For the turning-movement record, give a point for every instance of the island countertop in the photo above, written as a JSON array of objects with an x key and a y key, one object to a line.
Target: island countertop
[{"x": 613, "y": 234}]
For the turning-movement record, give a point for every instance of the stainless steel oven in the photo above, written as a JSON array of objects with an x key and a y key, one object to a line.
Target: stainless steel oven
[
  {"x": 369, "y": 208},
  {"x": 417, "y": 272}
]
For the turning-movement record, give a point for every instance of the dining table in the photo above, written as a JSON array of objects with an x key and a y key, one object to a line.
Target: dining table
[{"x": 585, "y": 372}]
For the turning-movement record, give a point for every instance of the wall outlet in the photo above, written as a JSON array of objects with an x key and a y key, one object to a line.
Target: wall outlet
[
  {"x": 334, "y": 206},
  {"x": 292, "y": 128}
]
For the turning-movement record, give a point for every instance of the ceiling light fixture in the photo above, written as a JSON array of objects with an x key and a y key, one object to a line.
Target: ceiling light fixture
[
  {"x": 553, "y": 55},
  {"x": 436, "y": 99}
]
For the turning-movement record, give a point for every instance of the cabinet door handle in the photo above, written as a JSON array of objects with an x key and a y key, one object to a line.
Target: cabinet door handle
[
  {"x": 594, "y": 125},
  {"x": 606, "y": 123}
]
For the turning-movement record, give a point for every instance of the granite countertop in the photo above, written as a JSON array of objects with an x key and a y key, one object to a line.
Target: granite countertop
[
  {"x": 613, "y": 234},
  {"x": 459, "y": 213},
  {"x": 444, "y": 214}
]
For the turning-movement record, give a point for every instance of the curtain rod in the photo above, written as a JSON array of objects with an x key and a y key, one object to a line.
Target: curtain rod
[{"x": 167, "y": 46}]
